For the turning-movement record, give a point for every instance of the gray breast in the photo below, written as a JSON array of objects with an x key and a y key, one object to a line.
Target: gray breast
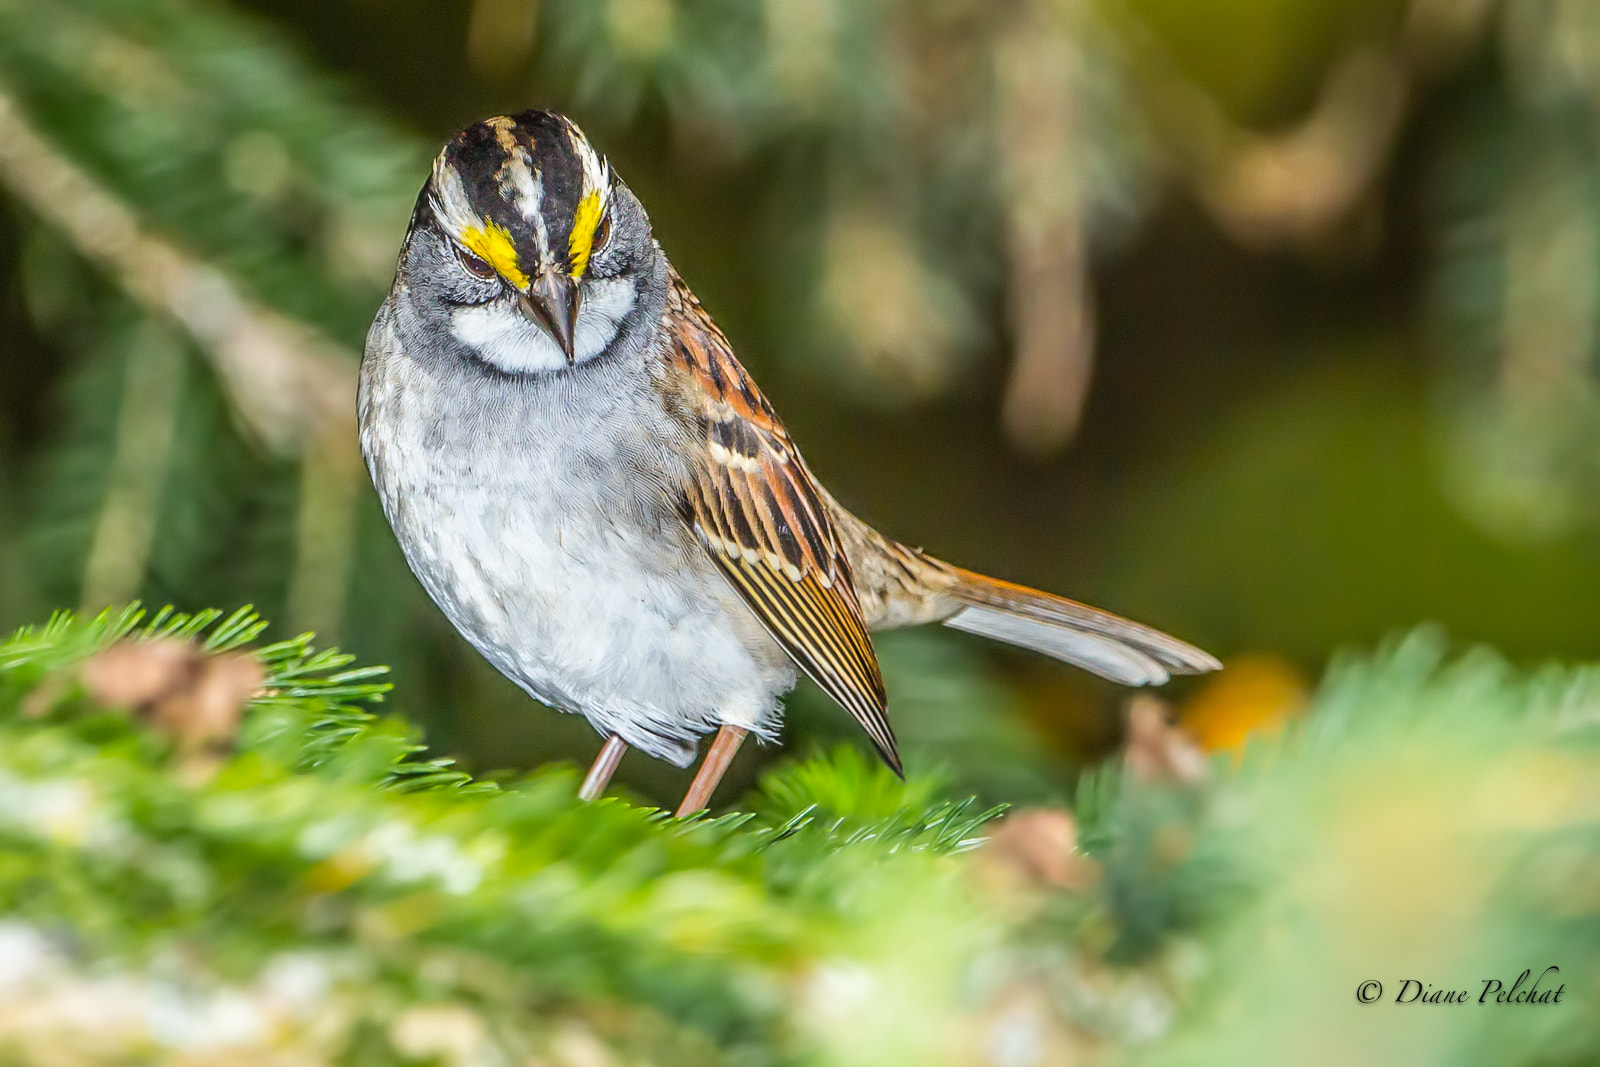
[{"x": 542, "y": 516}]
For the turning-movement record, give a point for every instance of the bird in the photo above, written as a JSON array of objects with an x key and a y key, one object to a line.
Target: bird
[{"x": 596, "y": 494}]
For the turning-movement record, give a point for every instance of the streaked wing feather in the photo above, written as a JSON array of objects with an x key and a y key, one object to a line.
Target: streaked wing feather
[{"x": 764, "y": 523}]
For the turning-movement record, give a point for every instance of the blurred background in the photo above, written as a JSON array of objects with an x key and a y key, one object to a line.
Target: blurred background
[{"x": 1268, "y": 322}]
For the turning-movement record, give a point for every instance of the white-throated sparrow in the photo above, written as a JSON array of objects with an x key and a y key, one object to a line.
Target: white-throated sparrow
[{"x": 594, "y": 491}]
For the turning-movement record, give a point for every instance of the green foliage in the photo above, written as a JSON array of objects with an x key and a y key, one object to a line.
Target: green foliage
[
  {"x": 325, "y": 828},
  {"x": 224, "y": 141},
  {"x": 221, "y": 143},
  {"x": 1515, "y": 303},
  {"x": 957, "y": 723},
  {"x": 329, "y": 892}
]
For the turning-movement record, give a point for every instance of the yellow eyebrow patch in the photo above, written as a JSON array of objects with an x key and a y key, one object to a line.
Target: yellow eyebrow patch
[
  {"x": 581, "y": 241},
  {"x": 492, "y": 244}
]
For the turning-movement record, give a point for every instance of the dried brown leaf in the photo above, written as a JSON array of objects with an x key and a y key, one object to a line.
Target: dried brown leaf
[
  {"x": 195, "y": 698},
  {"x": 1033, "y": 850},
  {"x": 1156, "y": 750}
]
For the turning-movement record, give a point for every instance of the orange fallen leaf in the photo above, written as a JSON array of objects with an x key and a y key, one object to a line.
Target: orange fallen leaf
[{"x": 1257, "y": 694}]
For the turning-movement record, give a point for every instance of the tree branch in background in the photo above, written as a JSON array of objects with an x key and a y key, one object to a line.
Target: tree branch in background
[
  {"x": 325, "y": 531},
  {"x": 292, "y": 387},
  {"x": 146, "y": 428},
  {"x": 1049, "y": 298},
  {"x": 1297, "y": 187},
  {"x": 1293, "y": 188},
  {"x": 1524, "y": 435},
  {"x": 286, "y": 380}
]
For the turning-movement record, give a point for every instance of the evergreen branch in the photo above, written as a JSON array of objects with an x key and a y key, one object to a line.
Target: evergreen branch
[
  {"x": 287, "y": 381},
  {"x": 846, "y": 920}
]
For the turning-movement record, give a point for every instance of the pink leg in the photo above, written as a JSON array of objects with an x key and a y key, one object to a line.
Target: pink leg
[
  {"x": 712, "y": 770},
  {"x": 604, "y": 764}
]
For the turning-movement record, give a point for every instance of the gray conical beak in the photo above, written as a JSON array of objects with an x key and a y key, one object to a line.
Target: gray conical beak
[{"x": 552, "y": 303}]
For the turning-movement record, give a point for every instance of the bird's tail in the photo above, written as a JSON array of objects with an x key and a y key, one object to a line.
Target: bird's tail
[
  {"x": 1098, "y": 641},
  {"x": 898, "y": 585}
]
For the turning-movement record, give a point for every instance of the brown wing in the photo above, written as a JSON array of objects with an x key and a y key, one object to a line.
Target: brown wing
[{"x": 764, "y": 522}]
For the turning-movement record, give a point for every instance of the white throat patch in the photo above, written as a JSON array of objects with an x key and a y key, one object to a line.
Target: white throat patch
[{"x": 504, "y": 338}]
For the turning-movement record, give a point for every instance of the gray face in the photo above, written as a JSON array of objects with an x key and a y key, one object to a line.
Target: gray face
[{"x": 525, "y": 253}]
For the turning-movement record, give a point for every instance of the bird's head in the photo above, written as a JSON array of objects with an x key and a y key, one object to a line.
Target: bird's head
[{"x": 530, "y": 247}]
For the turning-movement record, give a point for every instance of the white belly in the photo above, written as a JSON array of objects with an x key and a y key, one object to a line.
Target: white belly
[{"x": 553, "y": 559}]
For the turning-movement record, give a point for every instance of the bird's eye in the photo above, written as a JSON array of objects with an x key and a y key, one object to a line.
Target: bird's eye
[
  {"x": 602, "y": 232},
  {"x": 476, "y": 265}
]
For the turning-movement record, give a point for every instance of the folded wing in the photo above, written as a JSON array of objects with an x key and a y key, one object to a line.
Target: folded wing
[{"x": 764, "y": 522}]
